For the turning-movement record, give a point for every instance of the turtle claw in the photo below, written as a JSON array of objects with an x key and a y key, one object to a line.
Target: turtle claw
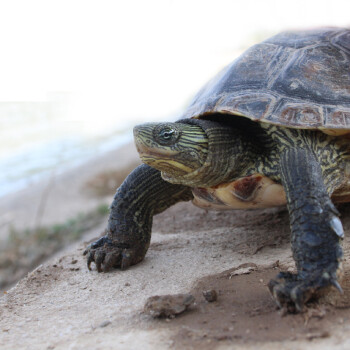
[
  {"x": 336, "y": 284},
  {"x": 293, "y": 291},
  {"x": 99, "y": 256},
  {"x": 110, "y": 260},
  {"x": 126, "y": 260},
  {"x": 104, "y": 254}
]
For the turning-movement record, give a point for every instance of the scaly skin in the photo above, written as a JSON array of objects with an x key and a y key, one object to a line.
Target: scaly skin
[{"x": 316, "y": 231}]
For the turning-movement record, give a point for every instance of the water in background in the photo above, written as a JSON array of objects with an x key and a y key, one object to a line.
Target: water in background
[{"x": 39, "y": 138}]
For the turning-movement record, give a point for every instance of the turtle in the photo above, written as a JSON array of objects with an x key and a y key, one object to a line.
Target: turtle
[{"x": 271, "y": 129}]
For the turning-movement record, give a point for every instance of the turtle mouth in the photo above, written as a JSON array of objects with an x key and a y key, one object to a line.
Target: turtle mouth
[
  {"x": 153, "y": 152},
  {"x": 161, "y": 159}
]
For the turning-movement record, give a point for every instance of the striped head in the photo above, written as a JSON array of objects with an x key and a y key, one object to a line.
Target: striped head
[{"x": 176, "y": 149}]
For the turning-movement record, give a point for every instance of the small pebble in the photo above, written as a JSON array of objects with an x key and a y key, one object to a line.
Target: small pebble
[
  {"x": 210, "y": 295},
  {"x": 105, "y": 324},
  {"x": 316, "y": 335}
]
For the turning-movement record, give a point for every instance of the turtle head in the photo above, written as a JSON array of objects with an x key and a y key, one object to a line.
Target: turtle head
[
  {"x": 176, "y": 149},
  {"x": 196, "y": 152}
]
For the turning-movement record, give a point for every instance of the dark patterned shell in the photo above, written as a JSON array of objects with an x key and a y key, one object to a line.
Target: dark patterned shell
[{"x": 295, "y": 79}]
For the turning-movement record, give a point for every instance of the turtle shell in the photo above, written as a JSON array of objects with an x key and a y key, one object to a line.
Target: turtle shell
[{"x": 295, "y": 79}]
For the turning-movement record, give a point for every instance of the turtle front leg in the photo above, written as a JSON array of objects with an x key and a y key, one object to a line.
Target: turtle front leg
[
  {"x": 143, "y": 194},
  {"x": 316, "y": 232}
]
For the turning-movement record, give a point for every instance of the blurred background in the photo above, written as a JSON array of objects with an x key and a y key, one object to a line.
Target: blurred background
[{"x": 76, "y": 75}]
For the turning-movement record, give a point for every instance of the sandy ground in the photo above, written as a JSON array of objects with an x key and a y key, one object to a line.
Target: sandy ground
[{"x": 62, "y": 305}]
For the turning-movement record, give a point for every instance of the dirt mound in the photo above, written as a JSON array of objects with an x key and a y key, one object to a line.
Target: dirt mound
[{"x": 246, "y": 314}]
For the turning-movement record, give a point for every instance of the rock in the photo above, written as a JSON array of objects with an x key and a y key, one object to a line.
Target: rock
[{"x": 168, "y": 305}]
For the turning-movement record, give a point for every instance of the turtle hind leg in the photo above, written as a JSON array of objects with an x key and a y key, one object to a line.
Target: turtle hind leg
[{"x": 316, "y": 232}]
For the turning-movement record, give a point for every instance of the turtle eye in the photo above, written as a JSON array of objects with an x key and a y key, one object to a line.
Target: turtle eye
[{"x": 167, "y": 135}]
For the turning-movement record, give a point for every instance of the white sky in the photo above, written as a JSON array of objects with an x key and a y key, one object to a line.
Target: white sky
[{"x": 125, "y": 59}]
